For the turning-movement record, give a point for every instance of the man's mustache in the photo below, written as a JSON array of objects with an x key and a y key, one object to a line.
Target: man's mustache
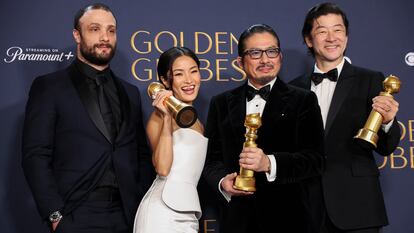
[
  {"x": 103, "y": 45},
  {"x": 267, "y": 65}
]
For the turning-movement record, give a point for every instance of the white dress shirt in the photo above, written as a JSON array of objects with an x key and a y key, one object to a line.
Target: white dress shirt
[
  {"x": 257, "y": 105},
  {"x": 324, "y": 91}
]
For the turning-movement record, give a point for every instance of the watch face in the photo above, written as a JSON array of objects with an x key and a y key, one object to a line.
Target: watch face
[{"x": 55, "y": 216}]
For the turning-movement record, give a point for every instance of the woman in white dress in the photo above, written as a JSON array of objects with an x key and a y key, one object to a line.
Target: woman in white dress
[{"x": 172, "y": 204}]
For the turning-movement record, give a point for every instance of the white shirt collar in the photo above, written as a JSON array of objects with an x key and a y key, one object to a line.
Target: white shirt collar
[{"x": 271, "y": 83}]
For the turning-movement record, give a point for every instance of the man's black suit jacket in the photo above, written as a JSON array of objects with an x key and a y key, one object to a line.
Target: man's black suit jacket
[
  {"x": 352, "y": 191},
  {"x": 292, "y": 131},
  {"x": 66, "y": 146}
]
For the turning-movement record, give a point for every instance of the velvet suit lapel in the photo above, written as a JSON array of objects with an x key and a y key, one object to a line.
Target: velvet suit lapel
[
  {"x": 276, "y": 103},
  {"x": 342, "y": 89},
  {"x": 304, "y": 81},
  {"x": 88, "y": 100},
  {"x": 237, "y": 109}
]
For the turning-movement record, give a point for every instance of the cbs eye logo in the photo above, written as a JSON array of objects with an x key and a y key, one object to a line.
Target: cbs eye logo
[{"x": 409, "y": 59}]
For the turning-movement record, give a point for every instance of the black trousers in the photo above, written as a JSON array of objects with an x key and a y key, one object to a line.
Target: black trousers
[{"x": 102, "y": 213}]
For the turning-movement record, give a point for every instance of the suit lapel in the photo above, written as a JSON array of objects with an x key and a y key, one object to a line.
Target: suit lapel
[
  {"x": 125, "y": 106},
  {"x": 88, "y": 100},
  {"x": 304, "y": 82},
  {"x": 237, "y": 109},
  {"x": 276, "y": 103},
  {"x": 342, "y": 89}
]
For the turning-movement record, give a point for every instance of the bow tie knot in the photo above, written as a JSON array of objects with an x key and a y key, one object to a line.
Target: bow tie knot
[
  {"x": 263, "y": 92},
  {"x": 331, "y": 75}
]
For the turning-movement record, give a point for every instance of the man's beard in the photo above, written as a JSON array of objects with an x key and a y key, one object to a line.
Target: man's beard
[
  {"x": 265, "y": 79},
  {"x": 90, "y": 54}
]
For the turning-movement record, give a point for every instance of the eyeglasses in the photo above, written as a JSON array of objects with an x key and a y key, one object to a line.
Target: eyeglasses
[{"x": 258, "y": 53}]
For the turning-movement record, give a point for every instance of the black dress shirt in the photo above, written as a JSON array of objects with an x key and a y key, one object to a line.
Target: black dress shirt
[{"x": 109, "y": 178}]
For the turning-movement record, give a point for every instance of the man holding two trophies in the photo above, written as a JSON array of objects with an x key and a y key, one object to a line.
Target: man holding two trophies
[
  {"x": 347, "y": 94},
  {"x": 287, "y": 162}
]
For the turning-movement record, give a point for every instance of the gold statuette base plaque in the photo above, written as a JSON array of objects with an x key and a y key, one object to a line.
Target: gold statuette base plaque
[
  {"x": 368, "y": 138},
  {"x": 247, "y": 184},
  {"x": 185, "y": 115}
]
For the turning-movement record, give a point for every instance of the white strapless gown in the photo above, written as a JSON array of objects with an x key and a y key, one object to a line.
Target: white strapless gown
[{"x": 172, "y": 204}]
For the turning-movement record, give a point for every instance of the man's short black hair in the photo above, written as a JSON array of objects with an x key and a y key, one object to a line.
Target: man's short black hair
[
  {"x": 320, "y": 10},
  {"x": 94, "y": 6},
  {"x": 256, "y": 28}
]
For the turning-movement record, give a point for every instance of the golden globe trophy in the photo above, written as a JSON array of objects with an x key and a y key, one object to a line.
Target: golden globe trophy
[
  {"x": 185, "y": 115},
  {"x": 367, "y": 136},
  {"x": 245, "y": 180}
]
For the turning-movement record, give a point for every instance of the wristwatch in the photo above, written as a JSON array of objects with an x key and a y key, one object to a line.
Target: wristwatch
[{"x": 55, "y": 216}]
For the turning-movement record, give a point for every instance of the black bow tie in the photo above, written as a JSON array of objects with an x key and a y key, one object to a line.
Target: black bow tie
[
  {"x": 331, "y": 75},
  {"x": 263, "y": 92}
]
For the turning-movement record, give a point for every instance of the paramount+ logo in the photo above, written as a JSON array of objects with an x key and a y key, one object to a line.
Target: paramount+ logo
[{"x": 16, "y": 53}]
